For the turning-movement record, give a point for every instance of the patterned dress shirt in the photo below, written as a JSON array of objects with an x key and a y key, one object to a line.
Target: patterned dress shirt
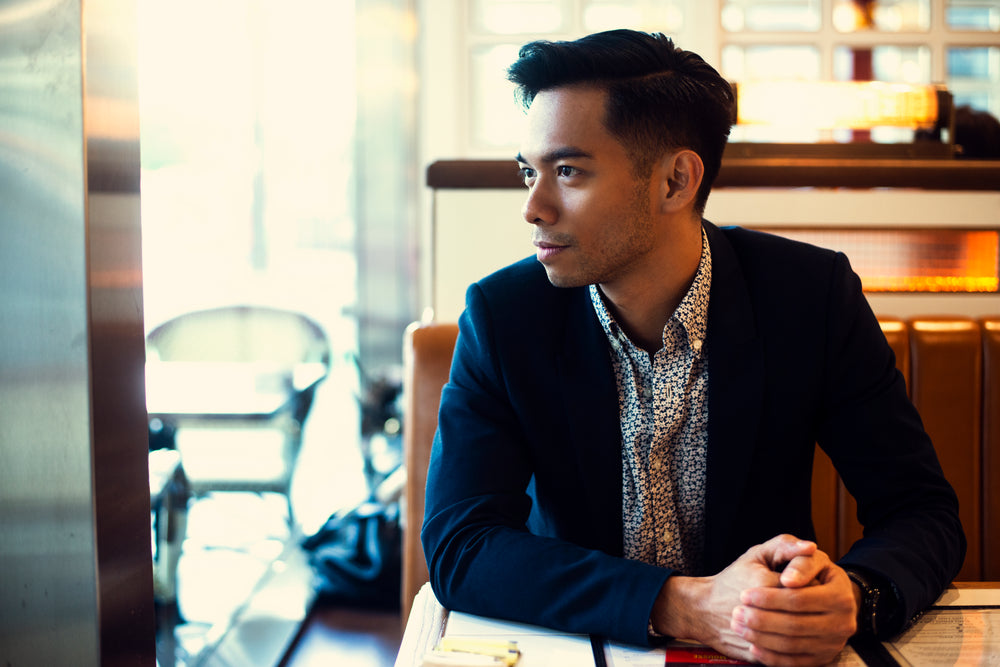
[{"x": 663, "y": 404}]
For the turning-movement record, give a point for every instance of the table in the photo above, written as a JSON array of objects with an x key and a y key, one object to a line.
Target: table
[
  {"x": 977, "y": 604},
  {"x": 213, "y": 400}
]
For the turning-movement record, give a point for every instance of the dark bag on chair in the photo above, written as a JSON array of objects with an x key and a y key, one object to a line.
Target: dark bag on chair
[{"x": 357, "y": 556}]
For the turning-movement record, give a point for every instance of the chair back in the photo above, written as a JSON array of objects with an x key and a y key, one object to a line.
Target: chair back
[
  {"x": 239, "y": 333},
  {"x": 427, "y": 354},
  {"x": 242, "y": 334}
]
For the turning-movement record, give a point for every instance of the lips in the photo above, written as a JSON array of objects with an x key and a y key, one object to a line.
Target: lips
[{"x": 546, "y": 250}]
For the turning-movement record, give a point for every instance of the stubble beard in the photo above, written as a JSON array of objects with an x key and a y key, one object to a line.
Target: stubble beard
[{"x": 634, "y": 239}]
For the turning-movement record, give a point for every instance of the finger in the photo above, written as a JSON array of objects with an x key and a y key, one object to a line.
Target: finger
[
  {"x": 802, "y": 570},
  {"x": 779, "y": 550},
  {"x": 734, "y": 646},
  {"x": 778, "y": 659},
  {"x": 762, "y": 577},
  {"x": 792, "y": 625},
  {"x": 794, "y": 549},
  {"x": 800, "y": 637},
  {"x": 778, "y": 644},
  {"x": 819, "y": 599}
]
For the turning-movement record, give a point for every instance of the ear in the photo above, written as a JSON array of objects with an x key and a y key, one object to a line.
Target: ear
[{"x": 680, "y": 177}]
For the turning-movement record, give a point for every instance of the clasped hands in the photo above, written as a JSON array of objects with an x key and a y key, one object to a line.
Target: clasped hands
[{"x": 783, "y": 602}]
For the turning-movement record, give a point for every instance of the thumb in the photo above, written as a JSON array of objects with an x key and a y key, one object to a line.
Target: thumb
[{"x": 781, "y": 550}]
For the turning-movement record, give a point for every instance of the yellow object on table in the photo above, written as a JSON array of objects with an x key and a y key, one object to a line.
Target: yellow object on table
[{"x": 462, "y": 651}]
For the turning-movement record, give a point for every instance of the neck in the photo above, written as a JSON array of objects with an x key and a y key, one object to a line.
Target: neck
[{"x": 644, "y": 301}]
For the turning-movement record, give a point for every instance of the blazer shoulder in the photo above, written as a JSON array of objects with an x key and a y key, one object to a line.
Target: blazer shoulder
[
  {"x": 776, "y": 261},
  {"x": 764, "y": 246},
  {"x": 521, "y": 288},
  {"x": 528, "y": 269}
]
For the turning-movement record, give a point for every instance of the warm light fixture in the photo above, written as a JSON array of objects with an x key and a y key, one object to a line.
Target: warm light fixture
[
  {"x": 836, "y": 104},
  {"x": 914, "y": 260}
]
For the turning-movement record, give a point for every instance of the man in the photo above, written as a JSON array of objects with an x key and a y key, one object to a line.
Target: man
[{"x": 625, "y": 442}]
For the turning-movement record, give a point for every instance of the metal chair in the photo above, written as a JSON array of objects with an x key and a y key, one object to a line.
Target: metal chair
[{"x": 237, "y": 383}]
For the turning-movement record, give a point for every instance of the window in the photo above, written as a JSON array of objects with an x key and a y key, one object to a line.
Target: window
[
  {"x": 883, "y": 16},
  {"x": 771, "y": 15},
  {"x": 518, "y": 17},
  {"x": 974, "y": 73},
  {"x": 951, "y": 42},
  {"x": 981, "y": 15},
  {"x": 469, "y": 45}
]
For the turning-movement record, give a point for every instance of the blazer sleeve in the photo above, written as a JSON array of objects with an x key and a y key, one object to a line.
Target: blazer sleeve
[
  {"x": 826, "y": 374},
  {"x": 875, "y": 437},
  {"x": 481, "y": 556}
]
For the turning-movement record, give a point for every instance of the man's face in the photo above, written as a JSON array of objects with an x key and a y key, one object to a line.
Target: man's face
[{"x": 592, "y": 217}]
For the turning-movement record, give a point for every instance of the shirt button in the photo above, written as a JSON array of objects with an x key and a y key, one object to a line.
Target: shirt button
[
  {"x": 696, "y": 344},
  {"x": 668, "y": 537}
]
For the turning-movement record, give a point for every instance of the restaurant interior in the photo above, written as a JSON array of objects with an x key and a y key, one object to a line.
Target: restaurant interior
[{"x": 222, "y": 221}]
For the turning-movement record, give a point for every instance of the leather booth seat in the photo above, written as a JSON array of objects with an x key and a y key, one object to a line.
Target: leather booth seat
[{"x": 952, "y": 371}]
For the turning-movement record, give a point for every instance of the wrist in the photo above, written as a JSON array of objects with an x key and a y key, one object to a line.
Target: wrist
[
  {"x": 858, "y": 604},
  {"x": 875, "y": 602},
  {"x": 675, "y": 611}
]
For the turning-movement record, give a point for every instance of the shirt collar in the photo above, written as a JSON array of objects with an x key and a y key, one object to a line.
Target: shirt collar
[{"x": 691, "y": 314}]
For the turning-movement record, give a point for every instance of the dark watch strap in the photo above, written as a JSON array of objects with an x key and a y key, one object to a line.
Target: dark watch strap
[{"x": 870, "y": 594}]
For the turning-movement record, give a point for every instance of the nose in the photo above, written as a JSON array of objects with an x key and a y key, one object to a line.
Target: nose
[{"x": 539, "y": 207}]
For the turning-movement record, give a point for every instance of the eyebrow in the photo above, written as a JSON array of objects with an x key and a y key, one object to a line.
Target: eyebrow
[{"x": 558, "y": 154}]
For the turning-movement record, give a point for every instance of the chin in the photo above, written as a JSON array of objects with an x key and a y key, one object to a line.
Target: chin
[{"x": 562, "y": 280}]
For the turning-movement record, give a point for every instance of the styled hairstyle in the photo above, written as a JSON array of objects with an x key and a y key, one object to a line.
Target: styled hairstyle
[{"x": 659, "y": 97}]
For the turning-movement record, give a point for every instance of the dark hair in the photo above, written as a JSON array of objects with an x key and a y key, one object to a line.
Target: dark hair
[{"x": 660, "y": 97}]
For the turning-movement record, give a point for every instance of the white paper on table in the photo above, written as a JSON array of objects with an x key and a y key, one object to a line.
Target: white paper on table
[
  {"x": 540, "y": 647},
  {"x": 969, "y": 597},
  {"x": 946, "y": 636}
]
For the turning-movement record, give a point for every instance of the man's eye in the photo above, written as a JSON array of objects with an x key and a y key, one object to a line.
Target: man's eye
[
  {"x": 566, "y": 170},
  {"x": 526, "y": 173}
]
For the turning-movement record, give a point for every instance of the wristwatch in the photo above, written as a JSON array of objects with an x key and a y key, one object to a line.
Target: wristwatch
[{"x": 871, "y": 596}]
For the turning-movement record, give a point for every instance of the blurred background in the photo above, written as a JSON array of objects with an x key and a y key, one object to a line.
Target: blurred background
[{"x": 162, "y": 159}]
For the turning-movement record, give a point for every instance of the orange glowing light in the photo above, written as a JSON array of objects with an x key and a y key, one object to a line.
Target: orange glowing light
[
  {"x": 912, "y": 260},
  {"x": 836, "y": 104}
]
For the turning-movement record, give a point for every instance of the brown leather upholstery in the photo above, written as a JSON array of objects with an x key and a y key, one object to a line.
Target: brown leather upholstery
[
  {"x": 825, "y": 494},
  {"x": 947, "y": 381},
  {"x": 897, "y": 334},
  {"x": 952, "y": 370},
  {"x": 427, "y": 355},
  {"x": 991, "y": 448}
]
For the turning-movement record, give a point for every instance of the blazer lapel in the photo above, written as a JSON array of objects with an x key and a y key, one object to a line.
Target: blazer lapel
[
  {"x": 735, "y": 393},
  {"x": 590, "y": 401}
]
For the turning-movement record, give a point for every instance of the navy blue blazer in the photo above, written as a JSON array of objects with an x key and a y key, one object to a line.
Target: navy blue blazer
[{"x": 523, "y": 515}]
